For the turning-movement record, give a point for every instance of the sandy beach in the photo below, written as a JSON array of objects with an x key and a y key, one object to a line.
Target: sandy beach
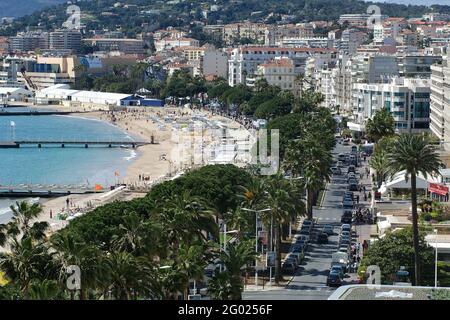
[{"x": 153, "y": 163}]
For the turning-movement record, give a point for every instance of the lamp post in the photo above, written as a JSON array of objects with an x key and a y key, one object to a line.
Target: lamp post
[
  {"x": 436, "y": 258},
  {"x": 256, "y": 238}
]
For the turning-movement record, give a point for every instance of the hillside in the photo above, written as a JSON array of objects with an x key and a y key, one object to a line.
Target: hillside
[
  {"x": 18, "y": 8},
  {"x": 146, "y": 15}
]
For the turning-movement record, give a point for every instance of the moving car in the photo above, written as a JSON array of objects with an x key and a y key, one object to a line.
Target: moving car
[
  {"x": 336, "y": 170},
  {"x": 351, "y": 169},
  {"x": 334, "y": 280},
  {"x": 337, "y": 269},
  {"x": 346, "y": 227},
  {"x": 345, "y": 233},
  {"x": 346, "y": 219},
  {"x": 329, "y": 230},
  {"x": 353, "y": 187},
  {"x": 347, "y": 203}
]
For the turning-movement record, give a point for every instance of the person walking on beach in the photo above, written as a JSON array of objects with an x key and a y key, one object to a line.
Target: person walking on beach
[{"x": 51, "y": 214}]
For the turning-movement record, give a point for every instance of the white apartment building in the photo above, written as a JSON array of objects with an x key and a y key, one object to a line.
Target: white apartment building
[
  {"x": 171, "y": 43},
  {"x": 440, "y": 102},
  {"x": 278, "y": 72},
  {"x": 343, "y": 84},
  {"x": 310, "y": 42},
  {"x": 244, "y": 60},
  {"x": 407, "y": 99}
]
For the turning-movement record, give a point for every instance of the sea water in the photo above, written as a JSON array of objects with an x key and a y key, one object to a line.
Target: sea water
[{"x": 61, "y": 166}]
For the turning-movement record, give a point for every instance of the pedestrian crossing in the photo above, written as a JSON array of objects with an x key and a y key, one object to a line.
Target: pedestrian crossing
[{"x": 328, "y": 219}]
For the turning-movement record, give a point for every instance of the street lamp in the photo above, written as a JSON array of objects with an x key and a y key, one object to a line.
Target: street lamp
[
  {"x": 436, "y": 258},
  {"x": 256, "y": 238}
]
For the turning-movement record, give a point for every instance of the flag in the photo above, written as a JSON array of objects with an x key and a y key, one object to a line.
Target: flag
[
  {"x": 98, "y": 187},
  {"x": 13, "y": 124}
]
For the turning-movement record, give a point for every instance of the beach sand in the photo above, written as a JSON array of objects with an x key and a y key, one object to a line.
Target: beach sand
[{"x": 148, "y": 163}]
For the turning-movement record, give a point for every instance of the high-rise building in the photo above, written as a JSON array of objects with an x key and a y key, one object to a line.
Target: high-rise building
[
  {"x": 244, "y": 60},
  {"x": 29, "y": 41},
  {"x": 65, "y": 40},
  {"x": 440, "y": 102},
  {"x": 407, "y": 99}
]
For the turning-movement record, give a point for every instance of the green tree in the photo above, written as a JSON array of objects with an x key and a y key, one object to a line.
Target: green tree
[
  {"x": 284, "y": 198},
  {"x": 381, "y": 125},
  {"x": 394, "y": 251},
  {"x": 414, "y": 154},
  {"x": 227, "y": 285}
]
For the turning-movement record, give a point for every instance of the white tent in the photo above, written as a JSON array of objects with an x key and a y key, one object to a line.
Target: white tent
[
  {"x": 399, "y": 181},
  {"x": 14, "y": 93}
]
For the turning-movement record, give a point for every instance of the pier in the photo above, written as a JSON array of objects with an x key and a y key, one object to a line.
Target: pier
[
  {"x": 44, "y": 191},
  {"x": 68, "y": 143},
  {"x": 36, "y": 113}
]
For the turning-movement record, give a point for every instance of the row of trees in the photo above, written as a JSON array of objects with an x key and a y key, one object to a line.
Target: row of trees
[
  {"x": 411, "y": 154},
  {"x": 150, "y": 248}
]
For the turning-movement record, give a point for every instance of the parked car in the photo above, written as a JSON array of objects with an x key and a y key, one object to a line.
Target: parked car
[
  {"x": 307, "y": 223},
  {"x": 341, "y": 157},
  {"x": 334, "y": 280},
  {"x": 322, "y": 238},
  {"x": 288, "y": 267},
  {"x": 305, "y": 232},
  {"x": 328, "y": 229}
]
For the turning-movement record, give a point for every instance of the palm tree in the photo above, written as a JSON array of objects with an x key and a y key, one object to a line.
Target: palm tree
[
  {"x": 310, "y": 161},
  {"x": 44, "y": 290},
  {"x": 21, "y": 222},
  {"x": 70, "y": 251},
  {"x": 140, "y": 237},
  {"x": 27, "y": 260},
  {"x": 415, "y": 155},
  {"x": 186, "y": 219},
  {"x": 283, "y": 199},
  {"x": 378, "y": 162},
  {"x": 228, "y": 284},
  {"x": 381, "y": 125}
]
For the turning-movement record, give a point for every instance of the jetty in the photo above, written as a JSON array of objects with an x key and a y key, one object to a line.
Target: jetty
[
  {"x": 37, "y": 113},
  {"x": 44, "y": 191},
  {"x": 69, "y": 143}
]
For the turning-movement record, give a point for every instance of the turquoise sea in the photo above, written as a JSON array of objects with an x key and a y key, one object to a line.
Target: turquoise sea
[{"x": 56, "y": 165}]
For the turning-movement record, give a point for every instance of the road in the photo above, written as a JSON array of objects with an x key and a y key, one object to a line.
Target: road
[{"x": 309, "y": 283}]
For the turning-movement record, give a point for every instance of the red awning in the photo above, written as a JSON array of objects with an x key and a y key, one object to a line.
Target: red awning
[{"x": 438, "y": 189}]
